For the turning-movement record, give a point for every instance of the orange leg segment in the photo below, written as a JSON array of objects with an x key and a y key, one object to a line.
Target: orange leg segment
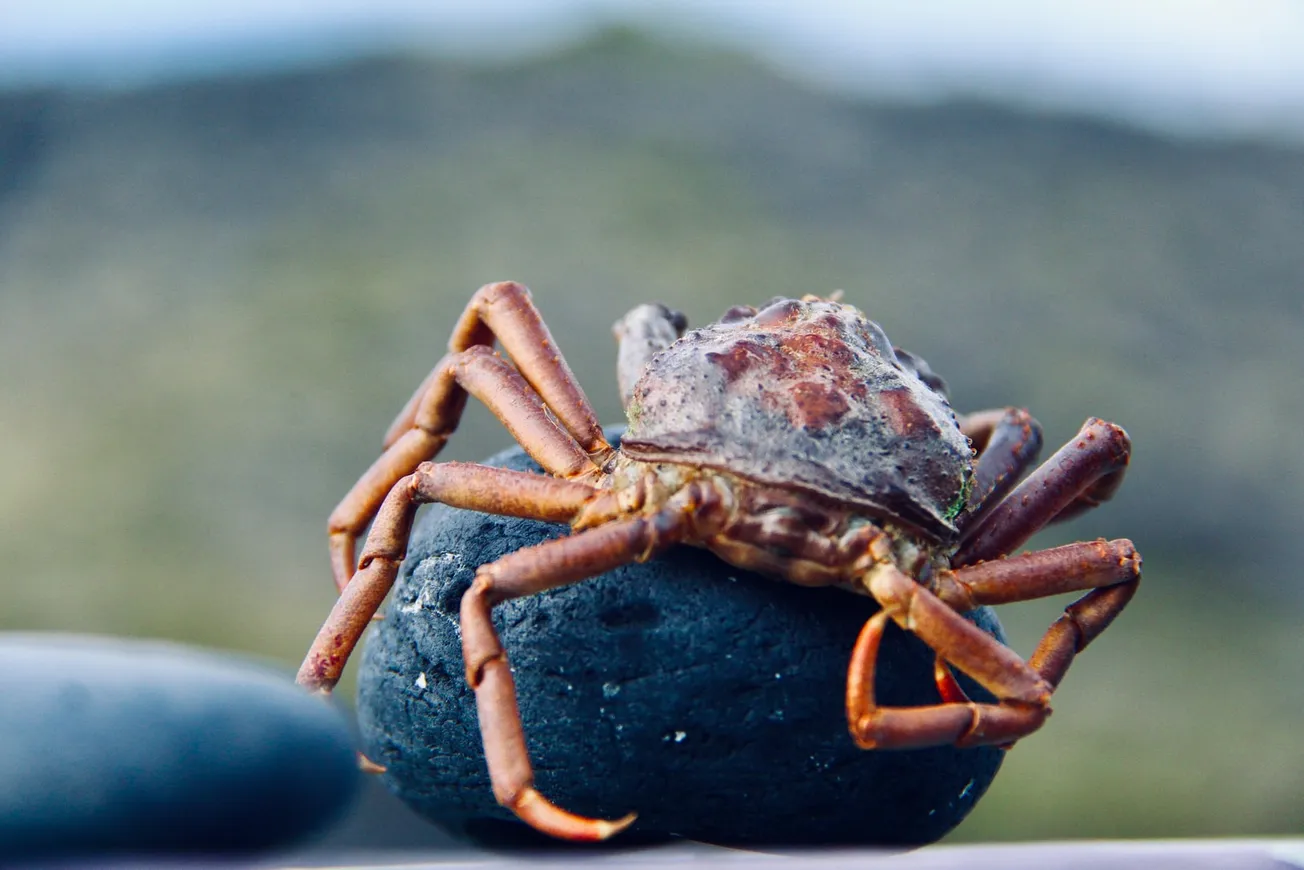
[
  {"x": 1080, "y": 475},
  {"x": 1024, "y": 695},
  {"x": 525, "y": 572},
  {"x": 505, "y": 311},
  {"x": 463, "y": 485},
  {"x": 1008, "y": 442},
  {"x": 516, "y": 394},
  {"x": 1111, "y": 570}
]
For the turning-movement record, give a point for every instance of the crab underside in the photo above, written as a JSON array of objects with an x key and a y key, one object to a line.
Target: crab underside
[{"x": 794, "y": 440}]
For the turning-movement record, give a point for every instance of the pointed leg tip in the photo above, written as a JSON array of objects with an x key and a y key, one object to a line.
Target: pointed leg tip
[
  {"x": 862, "y": 733},
  {"x": 366, "y": 765},
  {"x": 541, "y": 814},
  {"x": 608, "y": 829}
]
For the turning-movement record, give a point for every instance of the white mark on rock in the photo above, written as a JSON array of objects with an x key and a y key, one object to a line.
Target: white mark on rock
[
  {"x": 419, "y": 603},
  {"x": 424, "y": 597},
  {"x": 679, "y": 736},
  {"x": 421, "y": 680},
  {"x": 610, "y": 690}
]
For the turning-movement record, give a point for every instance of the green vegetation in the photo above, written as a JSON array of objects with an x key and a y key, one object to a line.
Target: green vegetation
[{"x": 214, "y": 296}]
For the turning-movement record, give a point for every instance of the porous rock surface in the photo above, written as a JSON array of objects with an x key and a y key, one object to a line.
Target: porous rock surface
[
  {"x": 708, "y": 699},
  {"x": 118, "y": 747}
]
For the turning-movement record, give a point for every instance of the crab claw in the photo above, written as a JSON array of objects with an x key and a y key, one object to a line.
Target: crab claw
[
  {"x": 643, "y": 333},
  {"x": 541, "y": 814}
]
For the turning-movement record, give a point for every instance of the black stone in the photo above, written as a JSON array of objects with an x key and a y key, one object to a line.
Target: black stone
[
  {"x": 132, "y": 747},
  {"x": 706, "y": 698}
]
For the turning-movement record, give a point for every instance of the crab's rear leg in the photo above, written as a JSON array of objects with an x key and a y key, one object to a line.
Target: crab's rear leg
[
  {"x": 463, "y": 485},
  {"x": 1080, "y": 475},
  {"x": 1007, "y": 442},
  {"x": 516, "y": 395},
  {"x": 1023, "y": 696},
  {"x": 525, "y": 572},
  {"x": 505, "y": 311},
  {"x": 1111, "y": 570}
]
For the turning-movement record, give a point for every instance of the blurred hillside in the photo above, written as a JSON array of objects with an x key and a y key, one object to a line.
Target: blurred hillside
[{"x": 215, "y": 295}]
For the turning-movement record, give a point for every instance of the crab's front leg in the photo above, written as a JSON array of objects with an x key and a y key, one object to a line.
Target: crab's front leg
[
  {"x": 461, "y": 485},
  {"x": 522, "y": 396},
  {"x": 1023, "y": 695},
  {"x": 536, "y": 569},
  {"x": 1111, "y": 570}
]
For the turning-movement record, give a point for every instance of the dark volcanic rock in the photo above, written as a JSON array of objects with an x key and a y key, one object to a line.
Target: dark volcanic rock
[
  {"x": 137, "y": 747},
  {"x": 706, "y": 698}
]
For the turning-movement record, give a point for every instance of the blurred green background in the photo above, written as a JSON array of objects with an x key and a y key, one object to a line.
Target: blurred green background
[{"x": 215, "y": 294}]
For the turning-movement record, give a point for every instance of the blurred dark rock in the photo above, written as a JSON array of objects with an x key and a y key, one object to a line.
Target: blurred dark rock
[
  {"x": 706, "y": 698},
  {"x": 131, "y": 747}
]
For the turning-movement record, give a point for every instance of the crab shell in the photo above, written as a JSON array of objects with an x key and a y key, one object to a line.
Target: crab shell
[{"x": 808, "y": 395}]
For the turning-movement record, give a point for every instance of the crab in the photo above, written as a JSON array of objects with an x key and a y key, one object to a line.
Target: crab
[{"x": 793, "y": 440}]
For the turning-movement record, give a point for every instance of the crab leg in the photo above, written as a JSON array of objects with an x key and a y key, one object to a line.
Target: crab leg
[
  {"x": 525, "y": 572},
  {"x": 1008, "y": 442},
  {"x": 463, "y": 485},
  {"x": 1024, "y": 695},
  {"x": 1080, "y": 475},
  {"x": 505, "y": 311},
  {"x": 477, "y": 371},
  {"x": 1110, "y": 569}
]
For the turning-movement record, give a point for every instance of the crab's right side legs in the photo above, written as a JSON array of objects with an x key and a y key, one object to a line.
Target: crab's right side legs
[{"x": 528, "y": 398}]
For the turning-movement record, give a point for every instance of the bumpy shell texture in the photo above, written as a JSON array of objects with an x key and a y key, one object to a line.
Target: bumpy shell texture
[{"x": 807, "y": 395}]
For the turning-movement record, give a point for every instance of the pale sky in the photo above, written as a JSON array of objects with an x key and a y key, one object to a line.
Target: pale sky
[{"x": 1215, "y": 67}]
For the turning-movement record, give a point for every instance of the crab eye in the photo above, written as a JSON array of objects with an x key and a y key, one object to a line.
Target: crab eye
[
  {"x": 779, "y": 310},
  {"x": 737, "y": 313},
  {"x": 920, "y": 369},
  {"x": 877, "y": 338}
]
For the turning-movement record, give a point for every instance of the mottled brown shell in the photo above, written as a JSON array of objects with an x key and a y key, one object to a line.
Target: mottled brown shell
[{"x": 807, "y": 395}]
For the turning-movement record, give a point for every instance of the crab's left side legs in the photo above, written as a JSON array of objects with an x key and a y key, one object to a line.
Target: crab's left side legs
[
  {"x": 1110, "y": 569},
  {"x": 1023, "y": 696},
  {"x": 1080, "y": 475},
  {"x": 1007, "y": 442}
]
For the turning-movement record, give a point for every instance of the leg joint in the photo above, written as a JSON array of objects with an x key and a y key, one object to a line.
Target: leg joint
[{"x": 476, "y": 667}]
